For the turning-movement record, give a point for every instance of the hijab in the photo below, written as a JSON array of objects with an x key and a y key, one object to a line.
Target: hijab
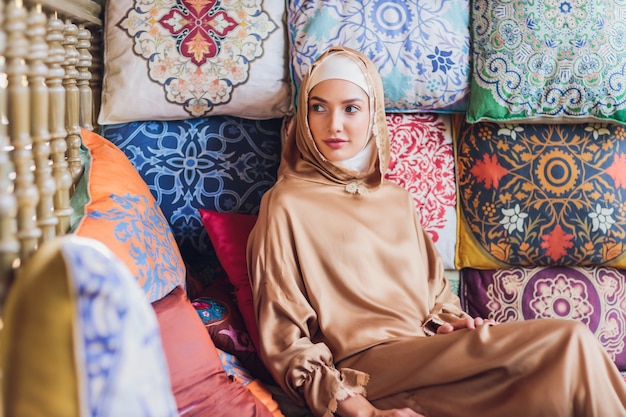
[{"x": 301, "y": 157}]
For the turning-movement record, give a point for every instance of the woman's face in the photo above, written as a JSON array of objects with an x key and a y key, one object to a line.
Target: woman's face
[{"x": 339, "y": 118}]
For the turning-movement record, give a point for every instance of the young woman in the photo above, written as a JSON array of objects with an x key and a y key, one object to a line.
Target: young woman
[{"x": 348, "y": 287}]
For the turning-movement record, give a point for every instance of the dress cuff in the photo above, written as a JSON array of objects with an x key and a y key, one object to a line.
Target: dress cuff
[{"x": 431, "y": 325}]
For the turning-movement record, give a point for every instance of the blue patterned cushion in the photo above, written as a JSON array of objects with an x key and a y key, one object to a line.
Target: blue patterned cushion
[
  {"x": 421, "y": 48},
  {"x": 119, "y": 365},
  {"x": 220, "y": 163},
  {"x": 548, "y": 60}
]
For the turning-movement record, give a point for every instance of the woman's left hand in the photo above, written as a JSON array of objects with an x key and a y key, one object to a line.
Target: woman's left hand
[{"x": 466, "y": 323}]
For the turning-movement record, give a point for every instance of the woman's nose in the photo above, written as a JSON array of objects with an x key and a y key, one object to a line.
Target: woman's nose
[{"x": 335, "y": 124}]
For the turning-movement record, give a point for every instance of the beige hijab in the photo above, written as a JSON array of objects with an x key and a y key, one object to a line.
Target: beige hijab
[{"x": 301, "y": 157}]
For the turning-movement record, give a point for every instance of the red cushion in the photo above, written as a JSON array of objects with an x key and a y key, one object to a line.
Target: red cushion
[
  {"x": 199, "y": 383},
  {"x": 229, "y": 235}
]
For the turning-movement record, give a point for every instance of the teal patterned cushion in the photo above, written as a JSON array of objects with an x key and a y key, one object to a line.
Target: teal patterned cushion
[
  {"x": 421, "y": 48},
  {"x": 541, "y": 195},
  {"x": 548, "y": 60}
]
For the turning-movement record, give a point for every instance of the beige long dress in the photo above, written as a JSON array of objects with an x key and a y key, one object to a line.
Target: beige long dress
[{"x": 345, "y": 279}]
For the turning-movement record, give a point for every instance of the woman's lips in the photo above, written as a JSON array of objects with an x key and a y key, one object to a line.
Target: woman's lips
[{"x": 335, "y": 143}]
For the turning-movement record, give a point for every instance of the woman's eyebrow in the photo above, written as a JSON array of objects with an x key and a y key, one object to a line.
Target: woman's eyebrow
[{"x": 349, "y": 100}]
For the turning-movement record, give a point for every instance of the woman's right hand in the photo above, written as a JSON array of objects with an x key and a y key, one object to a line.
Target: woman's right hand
[{"x": 359, "y": 406}]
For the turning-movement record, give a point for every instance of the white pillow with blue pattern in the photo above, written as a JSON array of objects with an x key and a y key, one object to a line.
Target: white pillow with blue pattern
[
  {"x": 80, "y": 338},
  {"x": 421, "y": 48}
]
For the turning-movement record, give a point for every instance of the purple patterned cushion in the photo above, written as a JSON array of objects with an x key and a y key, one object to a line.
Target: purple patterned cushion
[{"x": 595, "y": 296}]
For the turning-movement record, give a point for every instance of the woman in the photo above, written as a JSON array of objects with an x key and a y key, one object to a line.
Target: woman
[{"x": 348, "y": 286}]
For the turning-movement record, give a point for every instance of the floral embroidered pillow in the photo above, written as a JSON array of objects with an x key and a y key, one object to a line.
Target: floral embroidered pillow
[
  {"x": 422, "y": 161},
  {"x": 421, "y": 48},
  {"x": 541, "y": 195},
  {"x": 594, "y": 296},
  {"x": 548, "y": 60},
  {"x": 170, "y": 60}
]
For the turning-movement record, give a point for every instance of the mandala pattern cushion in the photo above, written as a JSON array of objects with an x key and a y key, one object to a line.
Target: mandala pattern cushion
[
  {"x": 114, "y": 205},
  {"x": 422, "y": 161},
  {"x": 541, "y": 195},
  {"x": 548, "y": 60},
  {"x": 421, "y": 48},
  {"x": 176, "y": 59},
  {"x": 95, "y": 350},
  {"x": 221, "y": 163},
  {"x": 595, "y": 296}
]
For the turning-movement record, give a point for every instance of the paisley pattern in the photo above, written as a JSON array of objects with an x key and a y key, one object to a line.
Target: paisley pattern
[
  {"x": 421, "y": 47},
  {"x": 422, "y": 161},
  {"x": 540, "y": 195},
  {"x": 118, "y": 336},
  {"x": 219, "y": 163},
  {"x": 595, "y": 296},
  {"x": 184, "y": 41},
  {"x": 140, "y": 225},
  {"x": 548, "y": 58}
]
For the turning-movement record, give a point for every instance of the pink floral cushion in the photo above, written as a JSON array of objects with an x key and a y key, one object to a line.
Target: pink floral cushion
[{"x": 422, "y": 161}]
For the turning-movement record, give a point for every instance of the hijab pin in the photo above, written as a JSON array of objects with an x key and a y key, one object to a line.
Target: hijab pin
[{"x": 355, "y": 188}]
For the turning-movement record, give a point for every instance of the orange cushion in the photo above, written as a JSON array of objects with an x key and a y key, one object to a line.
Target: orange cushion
[
  {"x": 122, "y": 213},
  {"x": 199, "y": 383}
]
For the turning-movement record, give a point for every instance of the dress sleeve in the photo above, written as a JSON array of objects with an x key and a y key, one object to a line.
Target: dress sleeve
[
  {"x": 445, "y": 306},
  {"x": 287, "y": 325}
]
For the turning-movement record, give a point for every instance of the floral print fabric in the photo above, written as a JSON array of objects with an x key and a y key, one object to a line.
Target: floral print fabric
[
  {"x": 421, "y": 48},
  {"x": 540, "y": 195}
]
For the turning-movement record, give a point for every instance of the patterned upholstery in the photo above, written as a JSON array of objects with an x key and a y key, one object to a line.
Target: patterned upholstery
[
  {"x": 540, "y": 195},
  {"x": 548, "y": 60},
  {"x": 421, "y": 47}
]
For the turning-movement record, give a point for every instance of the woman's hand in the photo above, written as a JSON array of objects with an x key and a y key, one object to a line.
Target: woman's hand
[
  {"x": 467, "y": 323},
  {"x": 359, "y": 406}
]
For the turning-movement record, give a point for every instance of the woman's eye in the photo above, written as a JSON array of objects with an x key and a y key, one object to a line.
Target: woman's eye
[
  {"x": 317, "y": 107},
  {"x": 352, "y": 109}
]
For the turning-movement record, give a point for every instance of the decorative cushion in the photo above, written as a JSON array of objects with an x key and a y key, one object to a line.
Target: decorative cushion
[
  {"x": 217, "y": 308},
  {"x": 548, "y": 60},
  {"x": 95, "y": 352},
  {"x": 421, "y": 48},
  {"x": 229, "y": 234},
  {"x": 222, "y": 163},
  {"x": 541, "y": 195},
  {"x": 235, "y": 369},
  {"x": 122, "y": 213},
  {"x": 199, "y": 383},
  {"x": 593, "y": 295},
  {"x": 422, "y": 161},
  {"x": 190, "y": 59}
]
